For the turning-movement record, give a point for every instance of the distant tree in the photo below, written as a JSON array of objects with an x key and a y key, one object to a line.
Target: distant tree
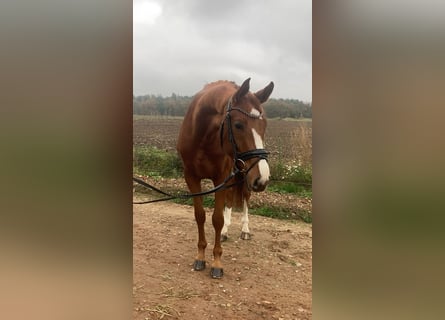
[{"x": 177, "y": 105}]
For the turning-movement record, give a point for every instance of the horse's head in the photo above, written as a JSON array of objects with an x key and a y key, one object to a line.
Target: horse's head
[{"x": 246, "y": 126}]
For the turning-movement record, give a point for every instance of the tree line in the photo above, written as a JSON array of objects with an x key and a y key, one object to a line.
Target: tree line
[{"x": 175, "y": 105}]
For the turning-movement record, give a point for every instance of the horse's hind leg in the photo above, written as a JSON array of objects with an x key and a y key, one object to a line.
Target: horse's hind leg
[
  {"x": 227, "y": 222},
  {"x": 200, "y": 217},
  {"x": 245, "y": 232}
]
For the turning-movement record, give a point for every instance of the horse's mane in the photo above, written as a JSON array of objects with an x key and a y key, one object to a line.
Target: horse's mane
[{"x": 219, "y": 82}]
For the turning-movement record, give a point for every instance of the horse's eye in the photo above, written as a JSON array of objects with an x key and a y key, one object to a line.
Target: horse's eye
[{"x": 239, "y": 125}]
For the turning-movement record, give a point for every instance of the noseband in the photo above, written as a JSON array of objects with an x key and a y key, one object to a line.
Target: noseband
[{"x": 239, "y": 158}]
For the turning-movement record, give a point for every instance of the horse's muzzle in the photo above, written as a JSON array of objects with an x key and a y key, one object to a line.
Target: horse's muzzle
[
  {"x": 260, "y": 182},
  {"x": 258, "y": 185}
]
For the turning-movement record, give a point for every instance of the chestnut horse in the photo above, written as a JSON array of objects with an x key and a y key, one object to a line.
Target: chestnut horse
[{"x": 222, "y": 139}]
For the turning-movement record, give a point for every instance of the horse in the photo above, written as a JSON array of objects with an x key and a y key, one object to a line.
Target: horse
[{"x": 222, "y": 139}]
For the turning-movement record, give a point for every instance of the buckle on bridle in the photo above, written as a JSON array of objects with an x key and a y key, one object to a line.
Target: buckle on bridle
[{"x": 240, "y": 165}]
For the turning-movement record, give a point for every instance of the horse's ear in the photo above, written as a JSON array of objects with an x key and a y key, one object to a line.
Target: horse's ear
[
  {"x": 242, "y": 91},
  {"x": 264, "y": 94}
]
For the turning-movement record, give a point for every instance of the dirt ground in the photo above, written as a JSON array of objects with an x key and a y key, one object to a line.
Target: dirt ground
[{"x": 267, "y": 277}]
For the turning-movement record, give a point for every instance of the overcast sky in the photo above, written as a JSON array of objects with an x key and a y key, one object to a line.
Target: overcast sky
[{"x": 180, "y": 45}]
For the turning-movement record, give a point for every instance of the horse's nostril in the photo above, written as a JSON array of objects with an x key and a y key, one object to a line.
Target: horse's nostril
[{"x": 257, "y": 185}]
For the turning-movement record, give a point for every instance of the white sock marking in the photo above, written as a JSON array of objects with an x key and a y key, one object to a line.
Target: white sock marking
[
  {"x": 245, "y": 218},
  {"x": 227, "y": 220}
]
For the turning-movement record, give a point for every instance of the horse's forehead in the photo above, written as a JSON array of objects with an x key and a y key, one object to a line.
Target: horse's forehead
[
  {"x": 256, "y": 120},
  {"x": 253, "y": 107},
  {"x": 255, "y": 111}
]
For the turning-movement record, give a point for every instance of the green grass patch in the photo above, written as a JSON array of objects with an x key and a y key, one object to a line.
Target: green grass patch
[
  {"x": 265, "y": 211},
  {"x": 291, "y": 179},
  {"x": 291, "y": 173},
  {"x": 303, "y": 191},
  {"x": 208, "y": 201},
  {"x": 271, "y": 212},
  {"x": 155, "y": 162},
  {"x": 283, "y": 214},
  {"x": 305, "y": 215}
]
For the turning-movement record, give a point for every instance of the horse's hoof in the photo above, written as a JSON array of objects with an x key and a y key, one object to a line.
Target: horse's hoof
[
  {"x": 224, "y": 237},
  {"x": 199, "y": 265},
  {"x": 245, "y": 236},
  {"x": 216, "y": 273}
]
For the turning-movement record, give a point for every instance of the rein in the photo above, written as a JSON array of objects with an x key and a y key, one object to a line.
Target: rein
[
  {"x": 219, "y": 187},
  {"x": 239, "y": 165}
]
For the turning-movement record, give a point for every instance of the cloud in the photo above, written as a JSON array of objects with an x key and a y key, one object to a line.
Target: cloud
[
  {"x": 193, "y": 42},
  {"x": 146, "y": 12}
]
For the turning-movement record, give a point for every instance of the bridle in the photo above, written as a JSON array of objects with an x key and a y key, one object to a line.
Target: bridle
[{"x": 239, "y": 158}]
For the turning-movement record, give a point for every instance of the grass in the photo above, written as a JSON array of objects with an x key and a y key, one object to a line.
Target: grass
[
  {"x": 208, "y": 201},
  {"x": 283, "y": 214},
  {"x": 155, "y": 162},
  {"x": 275, "y": 212},
  {"x": 304, "y": 191},
  {"x": 293, "y": 179},
  {"x": 291, "y": 173},
  {"x": 271, "y": 212}
]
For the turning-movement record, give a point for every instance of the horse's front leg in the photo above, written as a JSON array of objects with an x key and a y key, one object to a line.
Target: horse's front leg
[
  {"x": 227, "y": 215},
  {"x": 218, "y": 222},
  {"x": 200, "y": 217}
]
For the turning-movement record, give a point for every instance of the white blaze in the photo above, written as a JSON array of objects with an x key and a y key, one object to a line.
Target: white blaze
[
  {"x": 262, "y": 164},
  {"x": 254, "y": 112}
]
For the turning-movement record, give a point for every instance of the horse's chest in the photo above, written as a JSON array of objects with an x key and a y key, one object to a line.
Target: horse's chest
[{"x": 208, "y": 164}]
